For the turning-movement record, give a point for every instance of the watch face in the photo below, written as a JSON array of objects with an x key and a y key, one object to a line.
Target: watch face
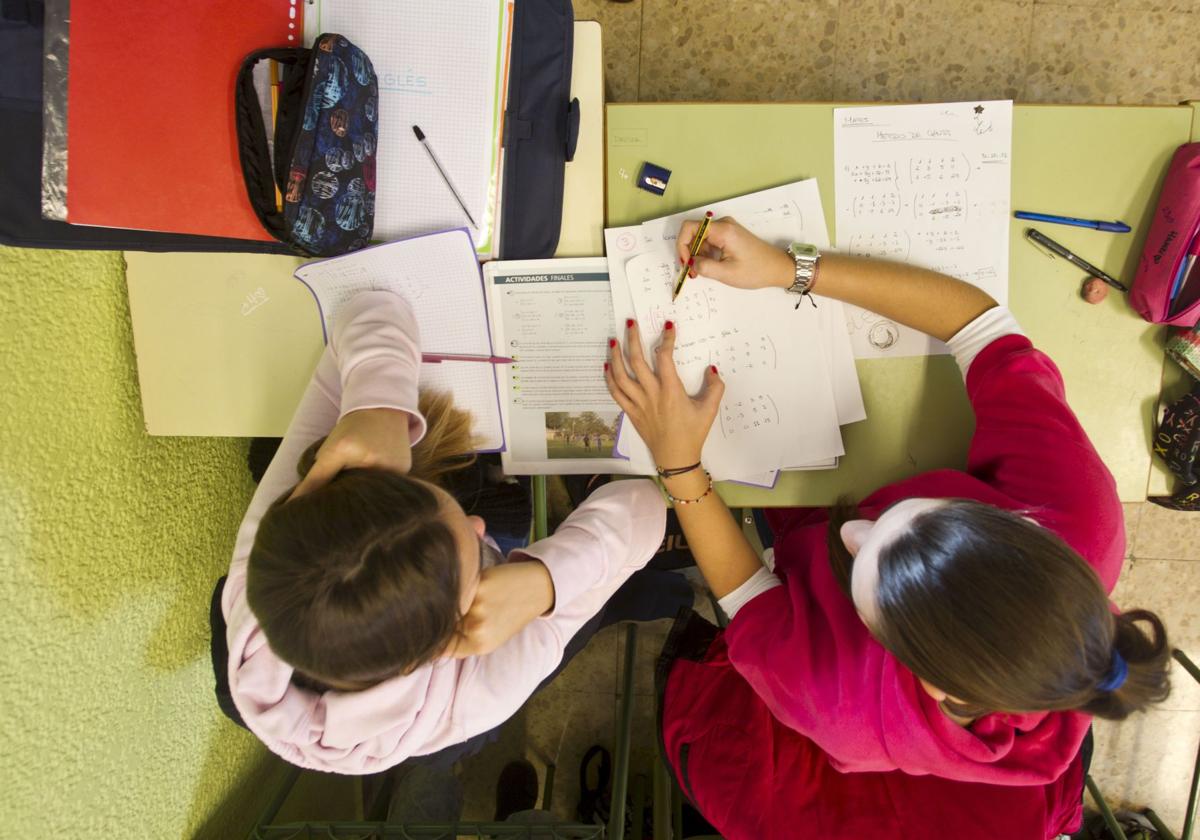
[{"x": 809, "y": 251}]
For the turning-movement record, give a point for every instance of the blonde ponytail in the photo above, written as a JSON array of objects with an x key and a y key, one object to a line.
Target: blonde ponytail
[{"x": 449, "y": 443}]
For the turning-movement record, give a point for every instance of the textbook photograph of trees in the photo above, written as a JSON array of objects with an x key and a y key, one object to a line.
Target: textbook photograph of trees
[{"x": 588, "y": 434}]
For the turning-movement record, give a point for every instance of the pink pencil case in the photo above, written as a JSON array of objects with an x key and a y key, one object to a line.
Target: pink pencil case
[{"x": 1165, "y": 289}]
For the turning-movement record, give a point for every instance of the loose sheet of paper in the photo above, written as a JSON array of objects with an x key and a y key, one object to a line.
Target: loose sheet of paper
[
  {"x": 554, "y": 317},
  {"x": 439, "y": 277},
  {"x": 928, "y": 185},
  {"x": 767, "y": 420},
  {"x": 438, "y": 67}
]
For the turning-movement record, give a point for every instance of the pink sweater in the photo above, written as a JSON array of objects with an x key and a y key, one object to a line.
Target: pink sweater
[
  {"x": 806, "y": 653},
  {"x": 373, "y": 361}
]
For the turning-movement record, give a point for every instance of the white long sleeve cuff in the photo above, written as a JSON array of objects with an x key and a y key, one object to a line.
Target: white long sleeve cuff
[
  {"x": 968, "y": 342},
  {"x": 758, "y": 583}
]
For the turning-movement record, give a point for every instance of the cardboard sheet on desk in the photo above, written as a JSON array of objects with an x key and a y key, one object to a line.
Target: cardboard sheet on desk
[
  {"x": 225, "y": 343},
  {"x": 151, "y": 139}
]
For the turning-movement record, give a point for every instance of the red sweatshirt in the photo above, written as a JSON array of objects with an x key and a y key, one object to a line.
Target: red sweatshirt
[{"x": 844, "y": 702}]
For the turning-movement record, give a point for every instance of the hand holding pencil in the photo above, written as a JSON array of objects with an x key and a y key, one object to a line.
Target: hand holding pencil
[
  {"x": 733, "y": 255},
  {"x": 697, "y": 244}
]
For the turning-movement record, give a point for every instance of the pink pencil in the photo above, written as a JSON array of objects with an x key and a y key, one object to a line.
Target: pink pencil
[{"x": 437, "y": 358}]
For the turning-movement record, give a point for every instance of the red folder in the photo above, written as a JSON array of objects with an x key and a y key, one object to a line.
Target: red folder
[{"x": 151, "y": 141}]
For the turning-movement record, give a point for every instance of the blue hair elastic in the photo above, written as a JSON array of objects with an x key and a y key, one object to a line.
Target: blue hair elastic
[{"x": 1116, "y": 674}]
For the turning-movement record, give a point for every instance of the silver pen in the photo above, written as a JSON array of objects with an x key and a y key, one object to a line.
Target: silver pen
[{"x": 441, "y": 171}]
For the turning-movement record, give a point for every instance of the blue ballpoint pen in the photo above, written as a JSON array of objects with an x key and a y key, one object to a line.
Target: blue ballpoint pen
[{"x": 1111, "y": 227}]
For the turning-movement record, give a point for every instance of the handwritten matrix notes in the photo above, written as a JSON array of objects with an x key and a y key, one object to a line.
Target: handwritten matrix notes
[
  {"x": 769, "y": 419},
  {"x": 927, "y": 185},
  {"x": 756, "y": 411}
]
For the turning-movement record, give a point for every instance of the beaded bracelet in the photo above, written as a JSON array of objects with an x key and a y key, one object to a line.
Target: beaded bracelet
[
  {"x": 675, "y": 501},
  {"x": 674, "y": 471}
]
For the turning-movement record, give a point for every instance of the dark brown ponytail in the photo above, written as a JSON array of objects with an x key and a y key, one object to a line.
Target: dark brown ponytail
[
  {"x": 1003, "y": 615},
  {"x": 1146, "y": 660}
]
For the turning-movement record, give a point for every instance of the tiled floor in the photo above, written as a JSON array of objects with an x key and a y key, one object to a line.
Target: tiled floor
[{"x": 1081, "y": 51}]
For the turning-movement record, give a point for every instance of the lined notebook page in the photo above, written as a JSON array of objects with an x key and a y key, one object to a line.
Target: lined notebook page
[
  {"x": 438, "y": 65},
  {"x": 439, "y": 277}
]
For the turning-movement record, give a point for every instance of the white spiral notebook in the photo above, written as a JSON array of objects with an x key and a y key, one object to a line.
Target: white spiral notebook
[{"x": 440, "y": 65}]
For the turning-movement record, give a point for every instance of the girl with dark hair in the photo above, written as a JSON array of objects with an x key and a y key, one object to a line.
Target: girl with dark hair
[
  {"x": 369, "y": 618},
  {"x": 955, "y": 625}
]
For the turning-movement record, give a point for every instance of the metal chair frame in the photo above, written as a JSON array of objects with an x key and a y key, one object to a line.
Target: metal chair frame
[{"x": 1189, "y": 820}]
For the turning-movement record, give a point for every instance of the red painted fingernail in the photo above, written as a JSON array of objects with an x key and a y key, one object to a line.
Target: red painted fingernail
[
  {"x": 612, "y": 342},
  {"x": 606, "y": 366},
  {"x": 714, "y": 368},
  {"x": 692, "y": 273},
  {"x": 670, "y": 325},
  {"x": 709, "y": 214},
  {"x": 691, "y": 260},
  {"x": 628, "y": 322}
]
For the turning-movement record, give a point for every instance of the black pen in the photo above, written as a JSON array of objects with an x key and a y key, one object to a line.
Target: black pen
[
  {"x": 1038, "y": 238},
  {"x": 441, "y": 171}
]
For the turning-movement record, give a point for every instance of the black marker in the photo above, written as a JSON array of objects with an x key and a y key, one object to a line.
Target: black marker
[{"x": 1038, "y": 238}]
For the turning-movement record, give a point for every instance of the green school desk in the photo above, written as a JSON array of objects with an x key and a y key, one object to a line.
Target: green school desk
[
  {"x": 226, "y": 343},
  {"x": 1102, "y": 162}
]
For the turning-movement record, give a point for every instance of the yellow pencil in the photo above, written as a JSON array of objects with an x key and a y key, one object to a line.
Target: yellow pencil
[
  {"x": 697, "y": 243},
  {"x": 274, "y": 65}
]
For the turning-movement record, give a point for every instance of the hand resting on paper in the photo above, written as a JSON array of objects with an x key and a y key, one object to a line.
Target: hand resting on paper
[
  {"x": 369, "y": 437},
  {"x": 735, "y": 256},
  {"x": 674, "y": 427},
  {"x": 673, "y": 424}
]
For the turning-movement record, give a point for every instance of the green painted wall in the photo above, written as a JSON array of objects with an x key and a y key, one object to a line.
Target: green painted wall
[{"x": 111, "y": 541}]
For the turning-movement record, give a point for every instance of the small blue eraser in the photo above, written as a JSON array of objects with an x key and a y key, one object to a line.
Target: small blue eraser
[{"x": 653, "y": 178}]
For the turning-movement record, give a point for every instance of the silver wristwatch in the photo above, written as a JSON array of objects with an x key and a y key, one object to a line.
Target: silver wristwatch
[{"x": 806, "y": 258}]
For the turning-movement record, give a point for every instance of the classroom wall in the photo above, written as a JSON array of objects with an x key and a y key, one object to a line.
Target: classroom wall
[{"x": 110, "y": 542}]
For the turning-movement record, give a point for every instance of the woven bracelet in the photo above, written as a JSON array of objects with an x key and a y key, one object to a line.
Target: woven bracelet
[
  {"x": 675, "y": 501},
  {"x": 670, "y": 473}
]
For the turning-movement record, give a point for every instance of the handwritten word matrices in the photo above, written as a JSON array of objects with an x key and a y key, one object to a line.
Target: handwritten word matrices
[
  {"x": 928, "y": 185},
  {"x": 746, "y": 336},
  {"x": 753, "y": 338},
  {"x": 731, "y": 352},
  {"x": 747, "y": 414},
  {"x": 691, "y": 312},
  {"x": 939, "y": 168}
]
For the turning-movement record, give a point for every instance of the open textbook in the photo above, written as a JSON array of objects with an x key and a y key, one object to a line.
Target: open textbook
[
  {"x": 554, "y": 318},
  {"x": 789, "y": 373}
]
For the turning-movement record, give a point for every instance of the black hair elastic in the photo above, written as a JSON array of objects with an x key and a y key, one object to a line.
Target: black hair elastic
[{"x": 670, "y": 473}]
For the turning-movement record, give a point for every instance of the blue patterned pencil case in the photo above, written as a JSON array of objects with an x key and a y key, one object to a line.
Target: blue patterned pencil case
[{"x": 326, "y": 138}]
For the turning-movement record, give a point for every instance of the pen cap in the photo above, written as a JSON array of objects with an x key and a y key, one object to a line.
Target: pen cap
[{"x": 1172, "y": 235}]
